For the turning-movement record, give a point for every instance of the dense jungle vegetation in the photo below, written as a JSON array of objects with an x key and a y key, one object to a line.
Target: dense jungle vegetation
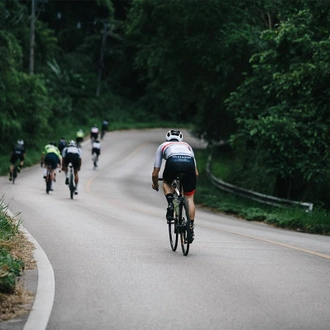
[{"x": 251, "y": 73}]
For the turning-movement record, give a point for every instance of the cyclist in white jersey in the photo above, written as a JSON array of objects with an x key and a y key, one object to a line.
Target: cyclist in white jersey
[
  {"x": 72, "y": 154},
  {"x": 96, "y": 149},
  {"x": 94, "y": 133},
  {"x": 180, "y": 158}
]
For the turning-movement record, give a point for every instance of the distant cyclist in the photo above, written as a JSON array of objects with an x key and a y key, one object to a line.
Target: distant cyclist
[
  {"x": 18, "y": 153},
  {"x": 79, "y": 137},
  {"x": 72, "y": 154},
  {"x": 180, "y": 158},
  {"x": 96, "y": 149},
  {"x": 94, "y": 133},
  {"x": 51, "y": 156},
  {"x": 104, "y": 128},
  {"x": 61, "y": 144}
]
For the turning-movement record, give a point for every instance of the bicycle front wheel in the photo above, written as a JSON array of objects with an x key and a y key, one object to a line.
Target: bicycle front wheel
[
  {"x": 14, "y": 174},
  {"x": 184, "y": 228}
]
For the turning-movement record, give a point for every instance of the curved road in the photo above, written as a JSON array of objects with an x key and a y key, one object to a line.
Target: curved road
[{"x": 114, "y": 268}]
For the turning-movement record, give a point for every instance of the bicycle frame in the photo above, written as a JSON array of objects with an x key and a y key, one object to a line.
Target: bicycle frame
[{"x": 48, "y": 178}]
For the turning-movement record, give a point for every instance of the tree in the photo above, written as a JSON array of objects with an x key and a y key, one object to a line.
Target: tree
[{"x": 282, "y": 109}]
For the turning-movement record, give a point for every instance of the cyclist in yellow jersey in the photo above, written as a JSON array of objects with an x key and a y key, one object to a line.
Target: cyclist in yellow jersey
[
  {"x": 79, "y": 137},
  {"x": 51, "y": 156}
]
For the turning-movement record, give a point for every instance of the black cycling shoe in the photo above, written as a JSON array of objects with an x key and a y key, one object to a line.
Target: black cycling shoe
[
  {"x": 170, "y": 212},
  {"x": 192, "y": 234}
]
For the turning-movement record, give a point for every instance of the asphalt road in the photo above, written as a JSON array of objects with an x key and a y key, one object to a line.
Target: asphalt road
[{"x": 114, "y": 269}]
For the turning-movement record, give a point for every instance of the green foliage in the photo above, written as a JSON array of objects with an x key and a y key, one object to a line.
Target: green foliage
[
  {"x": 10, "y": 267},
  {"x": 282, "y": 109},
  {"x": 192, "y": 59}
]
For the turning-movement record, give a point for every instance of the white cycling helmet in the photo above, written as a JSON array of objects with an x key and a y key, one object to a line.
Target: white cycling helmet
[
  {"x": 174, "y": 135},
  {"x": 21, "y": 142},
  {"x": 72, "y": 143}
]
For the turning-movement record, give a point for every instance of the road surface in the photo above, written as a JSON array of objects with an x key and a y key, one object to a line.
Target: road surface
[{"x": 114, "y": 268}]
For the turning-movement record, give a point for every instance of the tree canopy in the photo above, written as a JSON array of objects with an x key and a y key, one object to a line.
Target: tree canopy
[{"x": 253, "y": 73}]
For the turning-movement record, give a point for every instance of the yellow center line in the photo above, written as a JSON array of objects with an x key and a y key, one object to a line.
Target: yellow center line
[
  {"x": 91, "y": 179},
  {"x": 288, "y": 246}
]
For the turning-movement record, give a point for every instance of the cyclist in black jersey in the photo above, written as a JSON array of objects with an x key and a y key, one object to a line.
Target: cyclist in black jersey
[
  {"x": 61, "y": 144},
  {"x": 18, "y": 153}
]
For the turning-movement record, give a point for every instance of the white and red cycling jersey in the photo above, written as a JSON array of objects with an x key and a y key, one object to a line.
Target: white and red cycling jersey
[
  {"x": 94, "y": 130},
  {"x": 172, "y": 148}
]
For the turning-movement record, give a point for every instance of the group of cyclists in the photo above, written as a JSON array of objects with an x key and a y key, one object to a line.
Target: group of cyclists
[
  {"x": 59, "y": 155},
  {"x": 178, "y": 155}
]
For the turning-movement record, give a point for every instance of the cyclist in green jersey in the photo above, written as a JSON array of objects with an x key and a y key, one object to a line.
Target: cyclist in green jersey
[
  {"x": 51, "y": 156},
  {"x": 79, "y": 137}
]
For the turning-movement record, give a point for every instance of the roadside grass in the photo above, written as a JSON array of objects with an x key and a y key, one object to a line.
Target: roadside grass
[
  {"x": 10, "y": 267},
  {"x": 16, "y": 256}
]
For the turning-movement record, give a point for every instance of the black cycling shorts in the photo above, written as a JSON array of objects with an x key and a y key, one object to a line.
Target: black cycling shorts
[
  {"x": 181, "y": 164},
  {"x": 74, "y": 159},
  {"x": 52, "y": 159},
  {"x": 94, "y": 136},
  {"x": 96, "y": 151},
  {"x": 14, "y": 157}
]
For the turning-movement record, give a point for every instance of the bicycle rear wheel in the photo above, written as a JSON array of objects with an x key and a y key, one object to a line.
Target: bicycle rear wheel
[
  {"x": 48, "y": 183},
  {"x": 94, "y": 161},
  {"x": 71, "y": 185},
  {"x": 184, "y": 228}
]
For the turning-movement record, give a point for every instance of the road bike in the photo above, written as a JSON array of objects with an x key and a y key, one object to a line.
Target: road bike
[
  {"x": 72, "y": 186},
  {"x": 180, "y": 225},
  {"x": 16, "y": 170},
  {"x": 48, "y": 179}
]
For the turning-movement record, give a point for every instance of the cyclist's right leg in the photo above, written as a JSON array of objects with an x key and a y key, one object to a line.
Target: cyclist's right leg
[
  {"x": 169, "y": 175},
  {"x": 11, "y": 166},
  {"x": 11, "y": 170}
]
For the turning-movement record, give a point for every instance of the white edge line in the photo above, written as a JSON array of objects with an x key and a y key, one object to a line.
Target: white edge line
[{"x": 43, "y": 302}]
